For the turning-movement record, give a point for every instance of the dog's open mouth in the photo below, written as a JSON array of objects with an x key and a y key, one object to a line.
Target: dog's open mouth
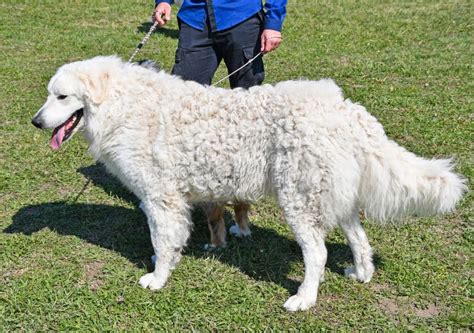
[{"x": 64, "y": 131}]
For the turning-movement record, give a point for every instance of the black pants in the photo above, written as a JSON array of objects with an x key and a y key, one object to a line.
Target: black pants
[{"x": 200, "y": 52}]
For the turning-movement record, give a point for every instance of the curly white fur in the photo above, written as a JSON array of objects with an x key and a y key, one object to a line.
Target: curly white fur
[{"x": 175, "y": 142}]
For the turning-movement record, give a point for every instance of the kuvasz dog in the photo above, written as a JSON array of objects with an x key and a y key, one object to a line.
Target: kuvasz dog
[{"x": 175, "y": 142}]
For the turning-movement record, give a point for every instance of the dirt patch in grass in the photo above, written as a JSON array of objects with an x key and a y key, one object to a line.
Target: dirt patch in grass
[
  {"x": 380, "y": 287},
  {"x": 92, "y": 275},
  {"x": 404, "y": 307},
  {"x": 14, "y": 273},
  {"x": 431, "y": 311},
  {"x": 389, "y": 306}
]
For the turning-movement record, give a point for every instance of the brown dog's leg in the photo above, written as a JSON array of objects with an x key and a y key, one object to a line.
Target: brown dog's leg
[
  {"x": 241, "y": 229},
  {"x": 215, "y": 222}
]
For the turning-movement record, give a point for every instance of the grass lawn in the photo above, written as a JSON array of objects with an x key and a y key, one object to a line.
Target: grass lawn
[{"x": 73, "y": 243}]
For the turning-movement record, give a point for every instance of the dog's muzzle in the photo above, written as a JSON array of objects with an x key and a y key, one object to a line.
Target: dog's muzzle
[{"x": 37, "y": 122}]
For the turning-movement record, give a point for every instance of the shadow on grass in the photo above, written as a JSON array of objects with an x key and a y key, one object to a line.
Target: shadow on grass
[
  {"x": 172, "y": 33},
  {"x": 267, "y": 255},
  {"x": 97, "y": 174}
]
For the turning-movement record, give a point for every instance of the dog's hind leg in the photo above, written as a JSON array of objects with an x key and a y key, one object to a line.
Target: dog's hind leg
[
  {"x": 311, "y": 239},
  {"x": 215, "y": 222},
  {"x": 241, "y": 228},
  {"x": 170, "y": 225},
  {"x": 363, "y": 268}
]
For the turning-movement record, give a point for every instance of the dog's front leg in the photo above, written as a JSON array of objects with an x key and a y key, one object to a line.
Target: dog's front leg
[{"x": 170, "y": 226}]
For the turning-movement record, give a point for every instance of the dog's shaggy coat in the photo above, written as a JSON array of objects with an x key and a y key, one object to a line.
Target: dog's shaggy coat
[{"x": 175, "y": 142}]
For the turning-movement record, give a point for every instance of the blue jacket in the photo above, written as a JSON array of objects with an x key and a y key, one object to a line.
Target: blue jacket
[{"x": 224, "y": 14}]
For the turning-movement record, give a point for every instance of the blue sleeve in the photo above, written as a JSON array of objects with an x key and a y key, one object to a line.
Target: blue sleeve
[
  {"x": 157, "y": 2},
  {"x": 275, "y": 12}
]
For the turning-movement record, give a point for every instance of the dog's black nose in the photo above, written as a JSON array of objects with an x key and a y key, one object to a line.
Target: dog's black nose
[{"x": 37, "y": 123}]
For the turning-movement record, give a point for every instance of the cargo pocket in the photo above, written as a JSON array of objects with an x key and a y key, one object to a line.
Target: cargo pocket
[
  {"x": 253, "y": 74},
  {"x": 249, "y": 52}
]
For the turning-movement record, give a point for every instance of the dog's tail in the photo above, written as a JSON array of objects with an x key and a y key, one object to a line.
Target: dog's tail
[{"x": 396, "y": 183}]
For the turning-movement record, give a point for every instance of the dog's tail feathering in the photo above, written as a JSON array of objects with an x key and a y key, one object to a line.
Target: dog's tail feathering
[{"x": 396, "y": 183}]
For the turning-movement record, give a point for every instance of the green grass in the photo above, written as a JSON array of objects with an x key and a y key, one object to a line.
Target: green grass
[{"x": 72, "y": 262}]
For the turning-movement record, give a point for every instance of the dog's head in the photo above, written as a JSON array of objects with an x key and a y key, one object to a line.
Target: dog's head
[{"x": 74, "y": 92}]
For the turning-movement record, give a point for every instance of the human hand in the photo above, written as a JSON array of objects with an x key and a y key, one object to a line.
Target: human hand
[
  {"x": 270, "y": 40},
  {"x": 162, "y": 13}
]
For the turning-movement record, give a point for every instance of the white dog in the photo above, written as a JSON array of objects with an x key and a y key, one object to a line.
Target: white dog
[{"x": 175, "y": 142}]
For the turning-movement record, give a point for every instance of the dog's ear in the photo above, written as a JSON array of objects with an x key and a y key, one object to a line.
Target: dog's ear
[{"x": 96, "y": 86}]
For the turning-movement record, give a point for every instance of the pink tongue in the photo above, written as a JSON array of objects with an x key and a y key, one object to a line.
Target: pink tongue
[
  {"x": 58, "y": 136},
  {"x": 60, "y": 132}
]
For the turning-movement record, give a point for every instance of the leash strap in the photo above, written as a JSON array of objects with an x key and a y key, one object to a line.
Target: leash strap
[{"x": 144, "y": 40}]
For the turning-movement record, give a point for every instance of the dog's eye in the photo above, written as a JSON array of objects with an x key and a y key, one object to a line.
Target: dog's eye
[{"x": 62, "y": 97}]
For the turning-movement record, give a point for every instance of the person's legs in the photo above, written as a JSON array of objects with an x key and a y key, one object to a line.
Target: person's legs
[
  {"x": 238, "y": 45},
  {"x": 196, "y": 58}
]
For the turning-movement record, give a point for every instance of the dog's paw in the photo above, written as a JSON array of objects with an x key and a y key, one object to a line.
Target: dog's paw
[
  {"x": 151, "y": 282},
  {"x": 236, "y": 231},
  {"x": 364, "y": 274},
  {"x": 298, "y": 303}
]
